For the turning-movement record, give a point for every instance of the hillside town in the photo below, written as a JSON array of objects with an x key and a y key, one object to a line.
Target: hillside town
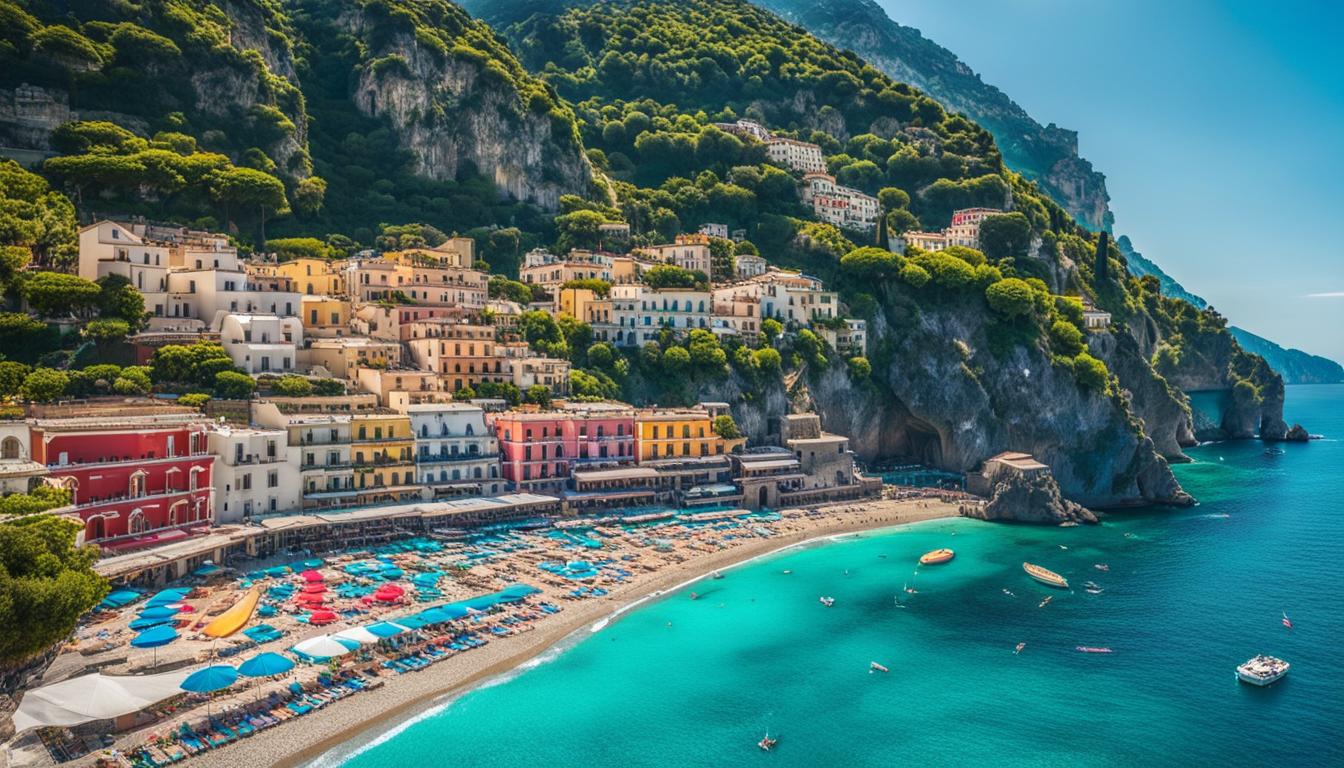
[{"x": 398, "y": 345}]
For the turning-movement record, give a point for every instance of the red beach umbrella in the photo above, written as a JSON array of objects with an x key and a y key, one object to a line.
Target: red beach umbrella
[
  {"x": 311, "y": 576},
  {"x": 314, "y": 588},
  {"x": 311, "y": 599},
  {"x": 321, "y": 617}
]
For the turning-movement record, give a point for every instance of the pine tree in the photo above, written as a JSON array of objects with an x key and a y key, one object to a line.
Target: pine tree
[
  {"x": 1103, "y": 256},
  {"x": 883, "y": 239}
]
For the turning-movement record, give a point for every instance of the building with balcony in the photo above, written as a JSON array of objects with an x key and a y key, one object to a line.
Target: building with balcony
[
  {"x": 688, "y": 251},
  {"x": 254, "y": 473},
  {"x": 749, "y": 265},
  {"x": 679, "y": 433},
  {"x": 319, "y": 444},
  {"x": 839, "y": 205},
  {"x": 398, "y": 323},
  {"x": 550, "y": 271},
  {"x": 309, "y": 277},
  {"x": 133, "y": 479},
  {"x": 639, "y": 313},
  {"x": 384, "y": 382},
  {"x": 343, "y": 357},
  {"x": 539, "y": 450},
  {"x": 965, "y": 227},
  {"x": 455, "y": 453},
  {"x": 925, "y": 241},
  {"x": 422, "y": 282},
  {"x": 381, "y": 452},
  {"x": 261, "y": 343}
]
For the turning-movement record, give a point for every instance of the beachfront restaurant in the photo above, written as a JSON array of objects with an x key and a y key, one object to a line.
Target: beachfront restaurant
[{"x": 602, "y": 489}]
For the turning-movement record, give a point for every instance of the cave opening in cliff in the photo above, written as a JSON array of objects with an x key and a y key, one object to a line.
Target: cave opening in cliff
[{"x": 918, "y": 442}]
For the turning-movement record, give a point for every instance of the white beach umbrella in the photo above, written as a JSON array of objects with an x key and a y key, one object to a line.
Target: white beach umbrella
[
  {"x": 359, "y": 635},
  {"x": 325, "y": 647}
]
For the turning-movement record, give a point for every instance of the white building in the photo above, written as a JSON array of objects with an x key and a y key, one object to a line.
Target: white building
[
  {"x": 18, "y": 472},
  {"x": 745, "y": 128},
  {"x": 455, "y": 452},
  {"x": 207, "y": 293},
  {"x": 796, "y": 155},
  {"x": 850, "y": 340},
  {"x": 254, "y": 473},
  {"x": 319, "y": 445},
  {"x": 965, "y": 227},
  {"x": 925, "y": 241},
  {"x": 261, "y": 343},
  {"x": 639, "y": 313},
  {"x": 714, "y": 230},
  {"x": 749, "y": 265},
  {"x": 839, "y": 205},
  {"x": 688, "y": 252},
  {"x": 109, "y": 248}
]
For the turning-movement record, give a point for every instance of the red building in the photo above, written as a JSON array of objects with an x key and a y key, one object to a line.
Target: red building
[
  {"x": 538, "y": 451},
  {"x": 134, "y": 479}
]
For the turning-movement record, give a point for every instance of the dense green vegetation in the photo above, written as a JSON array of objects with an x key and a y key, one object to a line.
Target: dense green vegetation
[{"x": 46, "y": 583}]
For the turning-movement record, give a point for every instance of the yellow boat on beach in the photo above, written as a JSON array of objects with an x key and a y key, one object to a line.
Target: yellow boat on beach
[
  {"x": 235, "y": 617},
  {"x": 936, "y": 556},
  {"x": 1045, "y": 576}
]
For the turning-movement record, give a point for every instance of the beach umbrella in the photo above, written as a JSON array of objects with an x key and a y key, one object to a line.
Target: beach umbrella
[
  {"x": 316, "y": 562},
  {"x": 209, "y": 679},
  {"x": 311, "y": 576},
  {"x": 314, "y": 588},
  {"x": 265, "y": 665},
  {"x": 154, "y": 637},
  {"x": 386, "y": 629},
  {"x": 166, "y": 596},
  {"x": 321, "y": 617},
  {"x": 279, "y": 570},
  {"x": 140, "y": 624},
  {"x": 357, "y": 634},
  {"x": 325, "y": 647},
  {"x": 159, "y": 612}
]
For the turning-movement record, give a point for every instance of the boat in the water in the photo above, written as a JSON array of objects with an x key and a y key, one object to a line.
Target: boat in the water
[
  {"x": 1093, "y": 649},
  {"x": 873, "y": 666},
  {"x": 1008, "y": 592},
  {"x": 1103, "y": 567},
  {"x": 1046, "y": 601},
  {"x": 1019, "y": 648},
  {"x": 717, "y": 575},
  {"x": 1262, "y": 670},
  {"x": 1045, "y": 576},
  {"x": 827, "y": 601},
  {"x": 695, "y": 596},
  {"x": 766, "y": 742},
  {"x": 937, "y": 557},
  {"x": 787, "y": 572}
]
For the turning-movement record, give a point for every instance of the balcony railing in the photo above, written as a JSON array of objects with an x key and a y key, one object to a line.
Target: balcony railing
[
  {"x": 162, "y": 494},
  {"x": 104, "y": 462},
  {"x": 438, "y": 458}
]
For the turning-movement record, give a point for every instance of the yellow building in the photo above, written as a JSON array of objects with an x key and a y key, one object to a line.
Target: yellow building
[
  {"x": 677, "y": 434},
  {"x": 325, "y": 316},
  {"x": 574, "y": 302},
  {"x": 311, "y": 277},
  {"x": 382, "y": 452}
]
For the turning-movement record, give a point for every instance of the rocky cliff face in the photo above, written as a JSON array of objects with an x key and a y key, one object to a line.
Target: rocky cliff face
[
  {"x": 945, "y": 399},
  {"x": 451, "y": 108}
]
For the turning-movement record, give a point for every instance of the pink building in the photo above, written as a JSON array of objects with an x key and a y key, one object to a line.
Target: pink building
[{"x": 539, "y": 450}]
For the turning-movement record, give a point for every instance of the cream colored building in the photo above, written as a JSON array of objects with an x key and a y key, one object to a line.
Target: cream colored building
[
  {"x": 18, "y": 472},
  {"x": 344, "y": 356},
  {"x": 796, "y": 155},
  {"x": 690, "y": 251},
  {"x": 255, "y": 474},
  {"x": 325, "y": 316},
  {"x": 839, "y": 205},
  {"x": 456, "y": 453}
]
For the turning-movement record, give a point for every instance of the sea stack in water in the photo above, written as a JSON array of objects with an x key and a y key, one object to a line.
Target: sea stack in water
[{"x": 1021, "y": 488}]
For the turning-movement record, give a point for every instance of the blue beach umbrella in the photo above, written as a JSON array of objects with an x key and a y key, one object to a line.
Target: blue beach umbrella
[
  {"x": 210, "y": 679},
  {"x": 316, "y": 562},
  {"x": 265, "y": 665},
  {"x": 140, "y": 624},
  {"x": 158, "y": 612},
  {"x": 154, "y": 637},
  {"x": 168, "y": 596},
  {"x": 385, "y": 629}
]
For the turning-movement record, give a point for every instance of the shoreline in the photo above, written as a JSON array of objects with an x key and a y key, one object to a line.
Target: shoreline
[{"x": 350, "y": 719}]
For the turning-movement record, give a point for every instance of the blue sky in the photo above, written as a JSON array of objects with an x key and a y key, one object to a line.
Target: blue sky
[{"x": 1219, "y": 126}]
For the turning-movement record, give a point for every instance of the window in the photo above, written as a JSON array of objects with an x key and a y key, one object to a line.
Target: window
[{"x": 272, "y": 479}]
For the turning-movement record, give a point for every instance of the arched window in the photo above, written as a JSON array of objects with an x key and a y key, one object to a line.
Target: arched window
[
  {"x": 137, "y": 523},
  {"x": 137, "y": 483},
  {"x": 11, "y": 448}
]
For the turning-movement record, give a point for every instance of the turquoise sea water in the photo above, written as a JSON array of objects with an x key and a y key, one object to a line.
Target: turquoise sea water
[{"x": 1190, "y": 594}]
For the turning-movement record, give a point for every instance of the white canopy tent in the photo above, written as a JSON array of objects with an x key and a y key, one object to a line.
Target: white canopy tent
[
  {"x": 94, "y": 697},
  {"x": 359, "y": 635}
]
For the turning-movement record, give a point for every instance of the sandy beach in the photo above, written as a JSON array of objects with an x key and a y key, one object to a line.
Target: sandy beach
[{"x": 340, "y": 721}]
